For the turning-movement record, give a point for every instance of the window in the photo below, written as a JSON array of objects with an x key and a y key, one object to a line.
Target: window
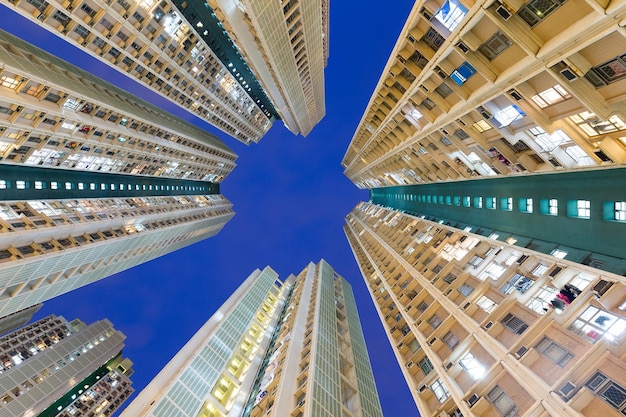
[
  {"x": 443, "y": 90},
  {"x": 619, "y": 213},
  {"x": 552, "y": 95},
  {"x": 535, "y": 11},
  {"x": 610, "y": 391},
  {"x": 579, "y": 208},
  {"x": 539, "y": 270},
  {"x": 465, "y": 289},
  {"x": 426, "y": 366},
  {"x": 462, "y": 73},
  {"x": 466, "y": 201},
  {"x": 508, "y": 115},
  {"x": 608, "y": 72},
  {"x": 502, "y": 402},
  {"x": 3, "y": 184},
  {"x": 526, "y": 205},
  {"x": 434, "y": 321},
  {"x": 518, "y": 282},
  {"x": 495, "y": 45},
  {"x": 506, "y": 203},
  {"x": 450, "y": 340},
  {"x": 20, "y": 185},
  {"x": 486, "y": 304},
  {"x": 39, "y": 185},
  {"x": 422, "y": 306},
  {"x": 440, "y": 390},
  {"x": 490, "y": 203},
  {"x": 553, "y": 351},
  {"x": 478, "y": 202},
  {"x": 594, "y": 323},
  {"x": 481, "y": 126},
  {"x": 549, "y": 207},
  {"x": 514, "y": 324},
  {"x": 579, "y": 155},
  {"x": 433, "y": 39},
  {"x": 558, "y": 253},
  {"x": 472, "y": 366},
  {"x": 451, "y": 14},
  {"x": 9, "y": 82}
]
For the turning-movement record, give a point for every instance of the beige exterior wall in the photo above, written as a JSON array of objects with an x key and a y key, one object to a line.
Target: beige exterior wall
[
  {"x": 465, "y": 317},
  {"x": 563, "y": 71}
]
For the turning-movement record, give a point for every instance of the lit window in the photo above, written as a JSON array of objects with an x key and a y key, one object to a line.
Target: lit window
[
  {"x": 481, "y": 126},
  {"x": 583, "y": 209},
  {"x": 551, "y": 96},
  {"x": 478, "y": 202},
  {"x": 68, "y": 185},
  {"x": 494, "y": 236},
  {"x": 526, "y": 205},
  {"x": 491, "y": 203},
  {"x": 557, "y": 253},
  {"x": 8, "y": 82},
  {"x": 506, "y": 204},
  {"x": 549, "y": 142},
  {"x": 54, "y": 185},
  {"x": 486, "y": 304},
  {"x": 20, "y": 185},
  {"x": 451, "y": 14},
  {"x": 38, "y": 185},
  {"x": 620, "y": 211},
  {"x": 553, "y": 206},
  {"x": 3, "y": 184},
  {"x": 540, "y": 300},
  {"x": 579, "y": 155},
  {"x": 594, "y": 323},
  {"x": 440, "y": 390},
  {"x": 81, "y": 185},
  {"x": 466, "y": 201},
  {"x": 92, "y": 186},
  {"x": 472, "y": 366},
  {"x": 508, "y": 115}
]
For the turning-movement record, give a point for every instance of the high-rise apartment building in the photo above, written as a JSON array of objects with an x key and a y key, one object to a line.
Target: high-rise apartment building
[
  {"x": 286, "y": 43},
  {"x": 18, "y": 319},
  {"x": 484, "y": 328},
  {"x": 269, "y": 67},
  {"x": 58, "y": 368},
  {"x": 484, "y": 88},
  {"x": 94, "y": 181},
  {"x": 292, "y": 348}
]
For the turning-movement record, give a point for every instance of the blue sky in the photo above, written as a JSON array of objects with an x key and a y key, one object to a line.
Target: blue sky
[{"x": 290, "y": 196}]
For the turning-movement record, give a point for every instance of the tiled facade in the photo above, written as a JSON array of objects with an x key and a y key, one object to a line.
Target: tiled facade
[
  {"x": 473, "y": 323},
  {"x": 289, "y": 60},
  {"x": 192, "y": 73},
  {"x": 93, "y": 180},
  {"x": 56, "y": 368},
  {"x": 273, "y": 349}
]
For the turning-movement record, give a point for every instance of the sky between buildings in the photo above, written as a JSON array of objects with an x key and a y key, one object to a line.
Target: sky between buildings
[{"x": 290, "y": 196}]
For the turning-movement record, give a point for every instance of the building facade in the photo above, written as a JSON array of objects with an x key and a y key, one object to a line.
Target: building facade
[
  {"x": 486, "y": 88},
  {"x": 286, "y": 42},
  {"x": 58, "y": 368},
  {"x": 273, "y": 349},
  {"x": 481, "y": 327},
  {"x": 93, "y": 180},
  {"x": 187, "y": 53}
]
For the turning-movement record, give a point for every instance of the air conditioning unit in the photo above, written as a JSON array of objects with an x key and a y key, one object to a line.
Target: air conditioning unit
[
  {"x": 504, "y": 12},
  {"x": 441, "y": 72},
  {"x": 473, "y": 399},
  {"x": 409, "y": 364},
  {"x": 422, "y": 388},
  {"x": 484, "y": 113},
  {"x": 466, "y": 306},
  {"x": 464, "y": 48},
  {"x": 488, "y": 325},
  {"x": 567, "y": 389},
  {"x": 521, "y": 352},
  {"x": 515, "y": 94},
  {"x": 431, "y": 341},
  {"x": 449, "y": 365}
]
